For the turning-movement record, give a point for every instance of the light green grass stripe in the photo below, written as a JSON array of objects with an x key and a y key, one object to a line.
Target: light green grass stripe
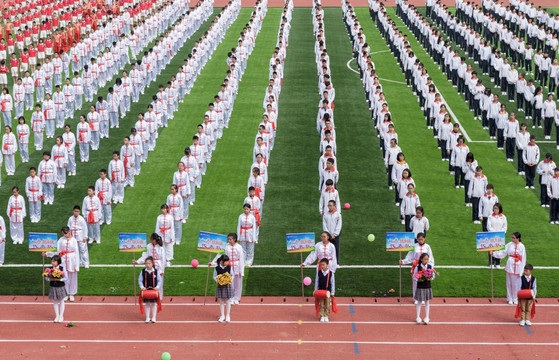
[
  {"x": 452, "y": 231},
  {"x": 55, "y": 216}
]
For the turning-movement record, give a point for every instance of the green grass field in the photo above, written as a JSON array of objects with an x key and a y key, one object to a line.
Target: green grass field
[{"x": 292, "y": 193}]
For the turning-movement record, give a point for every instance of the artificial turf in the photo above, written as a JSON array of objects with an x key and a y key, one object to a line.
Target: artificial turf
[{"x": 292, "y": 195}]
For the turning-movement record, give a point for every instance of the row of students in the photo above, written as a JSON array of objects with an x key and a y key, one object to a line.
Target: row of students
[
  {"x": 175, "y": 211},
  {"x": 398, "y": 172},
  {"x": 248, "y": 223},
  {"x": 329, "y": 201},
  {"x": 55, "y": 172},
  {"x": 512, "y": 82},
  {"x": 528, "y": 151},
  {"x": 97, "y": 72},
  {"x": 97, "y": 203},
  {"x": 88, "y": 132}
]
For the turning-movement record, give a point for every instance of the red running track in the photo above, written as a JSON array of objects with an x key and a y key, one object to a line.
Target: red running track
[{"x": 276, "y": 328}]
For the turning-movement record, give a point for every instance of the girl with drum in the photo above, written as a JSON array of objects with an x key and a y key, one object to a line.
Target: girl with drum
[{"x": 149, "y": 281}]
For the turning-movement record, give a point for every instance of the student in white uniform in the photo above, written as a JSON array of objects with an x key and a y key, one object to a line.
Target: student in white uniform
[
  {"x": 92, "y": 210},
  {"x": 78, "y": 228},
  {"x": 16, "y": 214},
  {"x": 60, "y": 155},
  {"x": 247, "y": 228},
  {"x": 497, "y": 222},
  {"x": 164, "y": 228},
  {"x": 237, "y": 262},
  {"x": 412, "y": 257},
  {"x": 514, "y": 268},
  {"x": 67, "y": 249},
  {"x": 9, "y": 149},
  {"x": 69, "y": 141},
  {"x": 84, "y": 138},
  {"x": 175, "y": 203},
  {"x": 128, "y": 153},
  {"x": 116, "y": 173},
  {"x": 34, "y": 193},
  {"x": 419, "y": 224},
  {"x": 47, "y": 174},
  {"x": 104, "y": 191},
  {"x": 323, "y": 249},
  {"x": 332, "y": 223},
  {"x": 23, "y": 132}
]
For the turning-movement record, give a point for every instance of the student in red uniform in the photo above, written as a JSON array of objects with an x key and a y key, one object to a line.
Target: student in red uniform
[{"x": 14, "y": 67}]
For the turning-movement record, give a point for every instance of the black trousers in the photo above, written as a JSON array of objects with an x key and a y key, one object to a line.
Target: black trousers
[{"x": 530, "y": 174}]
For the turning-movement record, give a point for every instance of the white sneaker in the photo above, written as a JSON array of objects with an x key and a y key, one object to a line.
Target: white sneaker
[
  {"x": 426, "y": 321},
  {"x": 522, "y": 323},
  {"x": 71, "y": 298},
  {"x": 221, "y": 319},
  {"x": 56, "y": 319},
  {"x": 66, "y": 298},
  {"x": 326, "y": 319},
  {"x": 191, "y": 203},
  {"x": 390, "y": 188},
  {"x": 153, "y": 320},
  {"x": 418, "y": 321},
  {"x": 528, "y": 322},
  {"x": 403, "y": 222},
  {"x": 168, "y": 263},
  {"x": 183, "y": 221},
  {"x": 415, "y": 302},
  {"x": 147, "y": 321},
  {"x": 498, "y": 266},
  {"x": 61, "y": 319},
  {"x": 322, "y": 319}
]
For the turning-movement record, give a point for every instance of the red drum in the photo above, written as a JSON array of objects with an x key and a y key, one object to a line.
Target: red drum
[
  {"x": 150, "y": 294},
  {"x": 321, "y": 294},
  {"x": 524, "y": 294}
]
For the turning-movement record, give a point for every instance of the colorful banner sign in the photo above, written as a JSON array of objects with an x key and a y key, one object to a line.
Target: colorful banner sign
[
  {"x": 300, "y": 242},
  {"x": 212, "y": 242},
  {"x": 490, "y": 241},
  {"x": 132, "y": 242},
  {"x": 42, "y": 241},
  {"x": 400, "y": 241}
]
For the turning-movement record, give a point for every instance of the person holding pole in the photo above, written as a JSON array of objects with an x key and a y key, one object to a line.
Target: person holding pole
[
  {"x": 420, "y": 247},
  {"x": 497, "y": 222},
  {"x": 237, "y": 261},
  {"x": 323, "y": 249},
  {"x": 156, "y": 251},
  {"x": 68, "y": 250},
  {"x": 514, "y": 268}
]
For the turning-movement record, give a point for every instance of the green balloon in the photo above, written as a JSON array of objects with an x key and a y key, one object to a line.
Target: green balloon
[
  {"x": 371, "y": 237},
  {"x": 165, "y": 356}
]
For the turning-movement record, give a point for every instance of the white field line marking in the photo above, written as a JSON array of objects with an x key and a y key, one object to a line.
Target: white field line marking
[
  {"x": 494, "y": 141},
  {"x": 261, "y": 304},
  {"x": 291, "y": 266},
  {"x": 300, "y": 341},
  {"x": 357, "y": 72},
  {"x": 280, "y": 322},
  {"x": 349, "y": 67}
]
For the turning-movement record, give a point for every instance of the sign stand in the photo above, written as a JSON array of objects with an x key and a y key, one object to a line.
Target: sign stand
[
  {"x": 134, "y": 278},
  {"x": 302, "y": 279},
  {"x": 492, "y": 300},
  {"x": 400, "y": 282},
  {"x": 43, "y": 279},
  {"x": 207, "y": 276}
]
